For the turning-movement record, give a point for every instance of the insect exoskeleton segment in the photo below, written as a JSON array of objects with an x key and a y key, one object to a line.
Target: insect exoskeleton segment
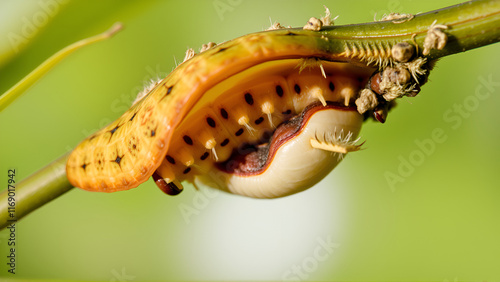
[
  {"x": 266, "y": 132},
  {"x": 300, "y": 153},
  {"x": 228, "y": 104}
]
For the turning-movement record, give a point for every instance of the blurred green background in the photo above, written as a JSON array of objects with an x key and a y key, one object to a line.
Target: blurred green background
[{"x": 439, "y": 221}]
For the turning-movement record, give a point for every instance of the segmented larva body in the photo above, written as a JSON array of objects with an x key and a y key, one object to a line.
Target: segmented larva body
[
  {"x": 240, "y": 117},
  {"x": 246, "y": 109}
]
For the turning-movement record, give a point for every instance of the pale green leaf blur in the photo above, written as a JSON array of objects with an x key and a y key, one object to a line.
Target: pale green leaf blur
[{"x": 420, "y": 203}]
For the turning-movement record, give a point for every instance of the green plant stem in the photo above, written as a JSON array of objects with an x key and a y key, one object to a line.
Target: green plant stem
[
  {"x": 35, "y": 191},
  {"x": 470, "y": 25},
  {"x": 15, "y": 91}
]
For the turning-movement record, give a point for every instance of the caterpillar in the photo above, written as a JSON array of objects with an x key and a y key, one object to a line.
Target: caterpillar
[{"x": 265, "y": 115}]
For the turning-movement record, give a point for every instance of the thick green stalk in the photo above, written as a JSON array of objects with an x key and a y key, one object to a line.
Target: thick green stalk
[
  {"x": 35, "y": 191},
  {"x": 469, "y": 25}
]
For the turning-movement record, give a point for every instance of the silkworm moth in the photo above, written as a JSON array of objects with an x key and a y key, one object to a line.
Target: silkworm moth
[{"x": 265, "y": 115}]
